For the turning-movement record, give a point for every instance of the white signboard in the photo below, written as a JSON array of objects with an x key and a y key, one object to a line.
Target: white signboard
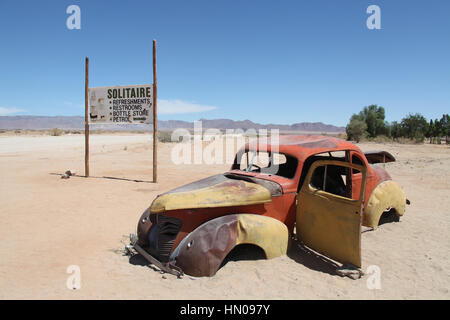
[{"x": 121, "y": 104}]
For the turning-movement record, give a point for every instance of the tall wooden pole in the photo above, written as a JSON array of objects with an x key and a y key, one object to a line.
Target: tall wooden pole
[
  {"x": 155, "y": 119},
  {"x": 86, "y": 121}
]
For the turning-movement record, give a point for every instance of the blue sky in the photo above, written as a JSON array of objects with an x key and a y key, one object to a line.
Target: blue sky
[{"x": 267, "y": 61}]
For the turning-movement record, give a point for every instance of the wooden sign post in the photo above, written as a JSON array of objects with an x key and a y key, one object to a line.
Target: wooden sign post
[
  {"x": 155, "y": 120},
  {"x": 86, "y": 122},
  {"x": 121, "y": 104}
]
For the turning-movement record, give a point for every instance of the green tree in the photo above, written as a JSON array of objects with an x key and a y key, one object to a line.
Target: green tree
[
  {"x": 388, "y": 129},
  {"x": 429, "y": 133},
  {"x": 374, "y": 116},
  {"x": 414, "y": 126},
  {"x": 356, "y": 129},
  {"x": 445, "y": 127},
  {"x": 438, "y": 131},
  {"x": 396, "y": 130}
]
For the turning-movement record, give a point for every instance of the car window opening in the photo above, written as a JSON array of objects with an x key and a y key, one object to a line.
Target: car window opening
[
  {"x": 356, "y": 160},
  {"x": 331, "y": 179}
]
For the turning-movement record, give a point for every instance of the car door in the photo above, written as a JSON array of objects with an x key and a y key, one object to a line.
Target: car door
[{"x": 328, "y": 220}]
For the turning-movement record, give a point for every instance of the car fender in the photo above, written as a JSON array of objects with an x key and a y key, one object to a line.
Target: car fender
[
  {"x": 387, "y": 194},
  {"x": 203, "y": 250}
]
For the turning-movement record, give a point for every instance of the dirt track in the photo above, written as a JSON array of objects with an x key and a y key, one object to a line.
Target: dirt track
[{"x": 48, "y": 223}]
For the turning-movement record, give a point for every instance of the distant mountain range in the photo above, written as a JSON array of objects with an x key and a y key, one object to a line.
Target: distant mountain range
[{"x": 77, "y": 122}]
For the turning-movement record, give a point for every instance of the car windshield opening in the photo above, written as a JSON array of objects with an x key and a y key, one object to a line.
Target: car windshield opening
[{"x": 272, "y": 163}]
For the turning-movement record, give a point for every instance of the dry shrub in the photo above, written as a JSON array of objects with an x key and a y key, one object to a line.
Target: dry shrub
[
  {"x": 164, "y": 136},
  {"x": 56, "y": 132},
  {"x": 382, "y": 139},
  {"x": 342, "y": 136},
  {"x": 403, "y": 140}
]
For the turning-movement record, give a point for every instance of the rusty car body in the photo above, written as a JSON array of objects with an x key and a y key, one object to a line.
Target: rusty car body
[{"x": 322, "y": 187}]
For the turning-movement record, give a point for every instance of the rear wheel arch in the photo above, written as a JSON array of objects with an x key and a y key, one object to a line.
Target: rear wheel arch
[{"x": 386, "y": 195}]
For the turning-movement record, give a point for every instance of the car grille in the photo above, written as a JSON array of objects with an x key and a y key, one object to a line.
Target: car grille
[{"x": 162, "y": 235}]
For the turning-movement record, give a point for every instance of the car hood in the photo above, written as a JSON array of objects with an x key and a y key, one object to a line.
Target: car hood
[{"x": 215, "y": 191}]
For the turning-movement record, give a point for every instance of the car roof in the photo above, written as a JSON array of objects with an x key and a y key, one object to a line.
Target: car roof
[{"x": 301, "y": 146}]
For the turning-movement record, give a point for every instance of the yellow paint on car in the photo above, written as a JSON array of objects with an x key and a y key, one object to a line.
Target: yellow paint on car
[
  {"x": 387, "y": 194},
  {"x": 234, "y": 193},
  {"x": 268, "y": 233},
  {"x": 330, "y": 224}
]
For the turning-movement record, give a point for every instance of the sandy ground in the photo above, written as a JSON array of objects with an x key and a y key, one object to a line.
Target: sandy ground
[{"x": 48, "y": 224}]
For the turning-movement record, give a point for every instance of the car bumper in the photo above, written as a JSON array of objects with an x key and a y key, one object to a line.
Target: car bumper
[{"x": 168, "y": 267}]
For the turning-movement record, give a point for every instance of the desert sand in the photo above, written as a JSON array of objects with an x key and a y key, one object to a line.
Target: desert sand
[{"x": 48, "y": 223}]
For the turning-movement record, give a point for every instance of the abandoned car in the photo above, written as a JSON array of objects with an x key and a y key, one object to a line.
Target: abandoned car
[{"x": 323, "y": 187}]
